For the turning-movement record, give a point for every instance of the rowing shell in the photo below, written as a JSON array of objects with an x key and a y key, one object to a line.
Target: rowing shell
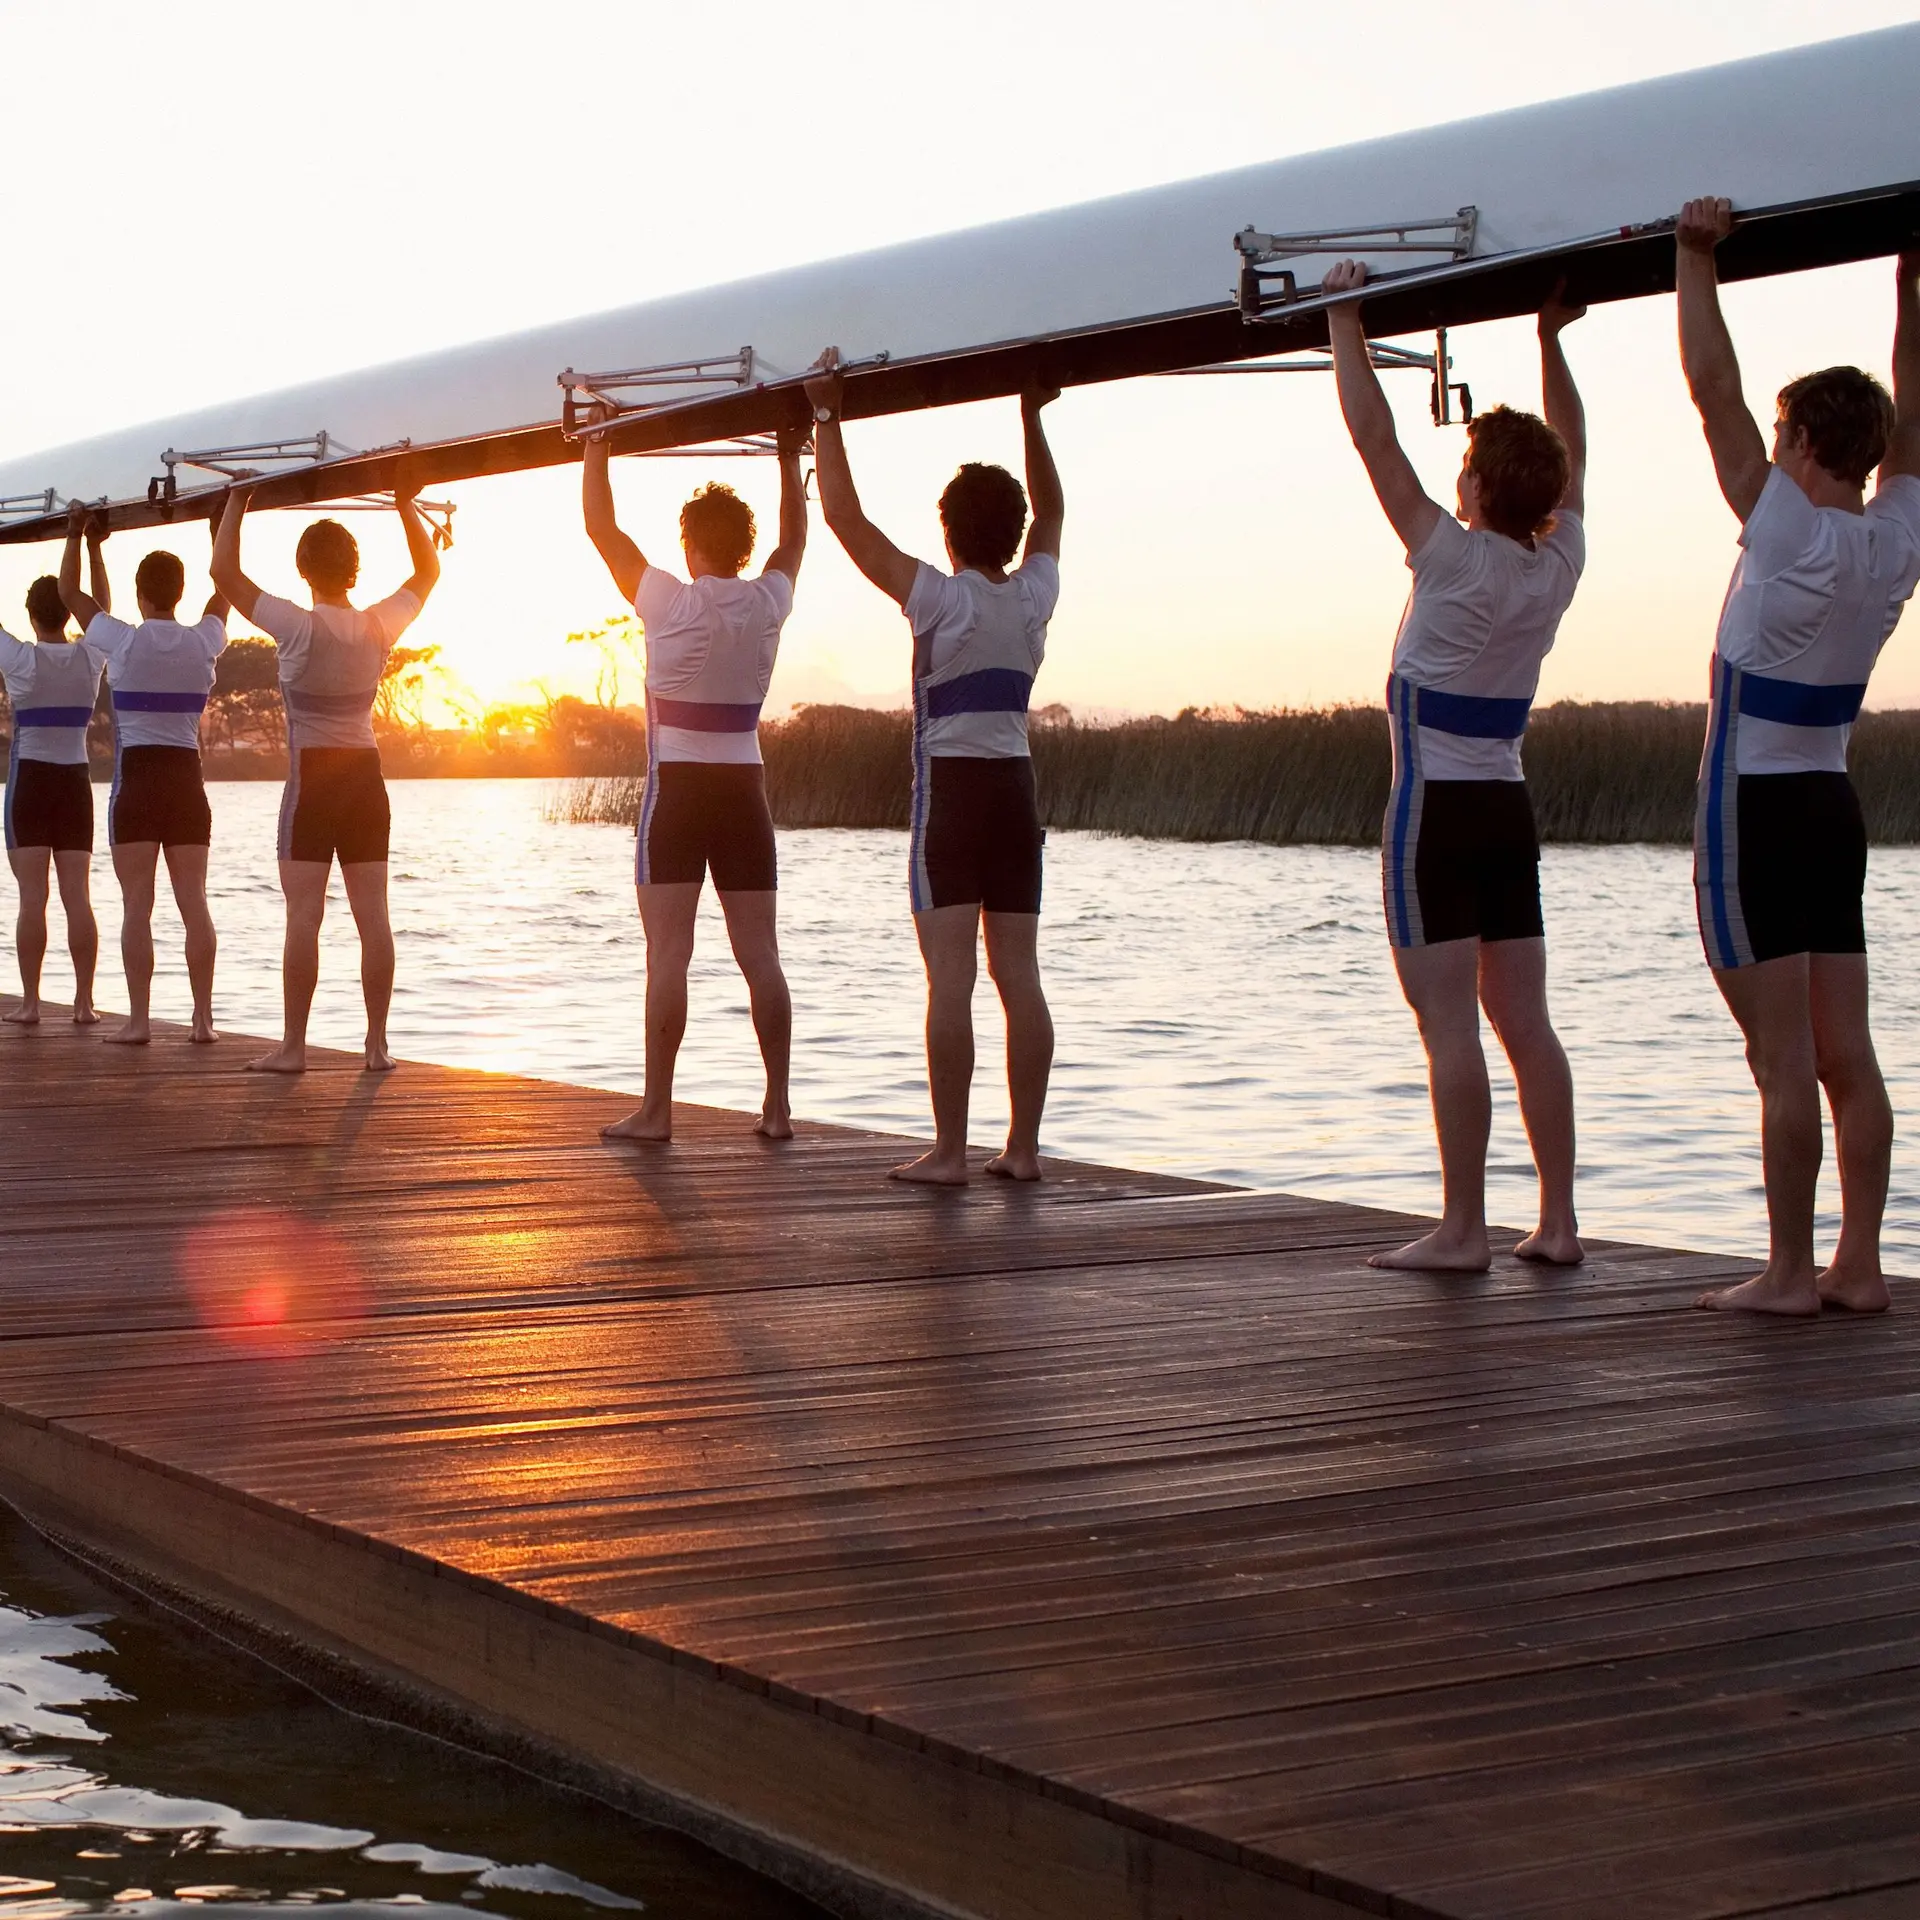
[{"x": 1818, "y": 147}]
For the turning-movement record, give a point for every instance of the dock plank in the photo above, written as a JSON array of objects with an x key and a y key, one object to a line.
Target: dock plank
[{"x": 1142, "y": 1498}]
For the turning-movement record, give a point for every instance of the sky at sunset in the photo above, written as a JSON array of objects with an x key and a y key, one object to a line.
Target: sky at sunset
[{"x": 207, "y": 200}]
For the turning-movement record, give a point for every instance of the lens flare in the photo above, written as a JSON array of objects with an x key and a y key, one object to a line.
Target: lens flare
[{"x": 267, "y": 1276}]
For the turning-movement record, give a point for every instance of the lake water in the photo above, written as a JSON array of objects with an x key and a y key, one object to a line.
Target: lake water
[
  {"x": 1227, "y": 1011},
  {"x": 147, "y": 1770}
]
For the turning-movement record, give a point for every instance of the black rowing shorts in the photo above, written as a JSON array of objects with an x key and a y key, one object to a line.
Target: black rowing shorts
[
  {"x": 1461, "y": 861},
  {"x": 49, "y": 805},
  {"x": 696, "y": 814},
  {"x": 335, "y": 803},
  {"x": 976, "y": 838},
  {"x": 158, "y": 794},
  {"x": 1791, "y": 878}
]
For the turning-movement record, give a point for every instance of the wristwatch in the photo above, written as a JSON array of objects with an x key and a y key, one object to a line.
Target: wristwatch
[{"x": 824, "y": 415}]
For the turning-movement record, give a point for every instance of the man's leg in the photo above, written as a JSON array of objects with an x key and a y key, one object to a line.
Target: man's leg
[
  {"x": 187, "y": 869},
  {"x": 1862, "y": 1127},
  {"x": 753, "y": 931},
  {"x": 1013, "y": 960},
  {"x": 667, "y": 913},
  {"x": 366, "y": 884},
  {"x": 1513, "y": 989},
  {"x": 304, "y": 883},
  {"x": 30, "y": 929},
  {"x": 135, "y": 865},
  {"x": 949, "y": 945},
  {"x": 1772, "y": 1001},
  {"x": 75, "y": 870},
  {"x": 1441, "y": 983}
]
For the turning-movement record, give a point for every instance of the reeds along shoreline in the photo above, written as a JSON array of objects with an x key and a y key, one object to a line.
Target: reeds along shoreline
[{"x": 1600, "y": 773}]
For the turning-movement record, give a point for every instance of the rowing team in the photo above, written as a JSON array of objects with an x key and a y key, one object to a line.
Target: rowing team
[{"x": 1780, "y": 847}]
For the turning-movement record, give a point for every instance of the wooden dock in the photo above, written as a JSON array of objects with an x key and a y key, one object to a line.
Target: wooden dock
[{"x": 1120, "y": 1547}]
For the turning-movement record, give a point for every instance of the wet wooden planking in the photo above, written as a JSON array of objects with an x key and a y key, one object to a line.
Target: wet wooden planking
[{"x": 1501, "y": 1596}]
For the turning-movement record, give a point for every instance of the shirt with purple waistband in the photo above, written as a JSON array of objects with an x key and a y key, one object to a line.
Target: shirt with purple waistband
[
  {"x": 1815, "y": 594},
  {"x": 711, "y": 647},
  {"x": 51, "y": 686},
  {"x": 331, "y": 662},
  {"x": 977, "y": 646},
  {"x": 160, "y": 674},
  {"x": 1483, "y": 614}
]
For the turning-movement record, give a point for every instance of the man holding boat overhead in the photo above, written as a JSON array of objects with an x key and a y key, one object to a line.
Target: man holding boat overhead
[
  {"x": 979, "y": 635},
  {"x": 712, "y": 639},
  {"x": 161, "y": 674},
  {"x": 332, "y": 657},
  {"x": 1780, "y": 849},
  {"x": 1461, "y": 856},
  {"x": 51, "y": 686}
]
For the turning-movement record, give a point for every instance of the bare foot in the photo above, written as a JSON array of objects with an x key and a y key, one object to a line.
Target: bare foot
[
  {"x": 1017, "y": 1163},
  {"x": 131, "y": 1032},
  {"x": 1855, "y": 1292},
  {"x": 640, "y": 1124},
  {"x": 285, "y": 1058},
  {"x": 202, "y": 1033},
  {"x": 379, "y": 1060},
  {"x": 937, "y": 1167},
  {"x": 84, "y": 1015},
  {"x": 1441, "y": 1251},
  {"x": 775, "y": 1123},
  {"x": 1559, "y": 1247},
  {"x": 26, "y": 1014},
  {"x": 1797, "y": 1295}
]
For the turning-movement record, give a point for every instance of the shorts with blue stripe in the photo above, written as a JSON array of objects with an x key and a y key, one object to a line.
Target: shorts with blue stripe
[
  {"x": 704, "y": 816},
  {"x": 48, "y": 804},
  {"x": 1779, "y": 859},
  {"x": 1460, "y": 859},
  {"x": 973, "y": 829}
]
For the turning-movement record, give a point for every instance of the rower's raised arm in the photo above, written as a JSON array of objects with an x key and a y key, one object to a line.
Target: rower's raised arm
[
  {"x": 1903, "y": 455},
  {"x": 424, "y": 555},
  {"x": 1707, "y": 358},
  {"x": 1044, "y": 492},
  {"x": 81, "y": 604},
  {"x": 97, "y": 563},
  {"x": 1560, "y": 397},
  {"x": 1411, "y": 511},
  {"x": 624, "y": 559},
  {"x": 792, "y": 546},
  {"x": 229, "y": 580},
  {"x": 892, "y": 571}
]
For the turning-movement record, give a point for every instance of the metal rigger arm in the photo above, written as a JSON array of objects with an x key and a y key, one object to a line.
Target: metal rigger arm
[{"x": 253, "y": 460}]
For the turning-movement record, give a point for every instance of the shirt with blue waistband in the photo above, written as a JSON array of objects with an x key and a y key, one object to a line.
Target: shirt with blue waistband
[
  {"x": 1483, "y": 614},
  {"x": 977, "y": 646},
  {"x": 51, "y": 687},
  {"x": 160, "y": 674},
  {"x": 1815, "y": 594},
  {"x": 711, "y": 647},
  {"x": 331, "y": 663}
]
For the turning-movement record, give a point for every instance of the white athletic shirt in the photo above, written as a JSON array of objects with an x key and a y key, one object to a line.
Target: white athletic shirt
[
  {"x": 1482, "y": 615},
  {"x": 331, "y": 659},
  {"x": 977, "y": 645},
  {"x": 711, "y": 645},
  {"x": 1815, "y": 593},
  {"x": 161, "y": 674},
  {"x": 52, "y": 685}
]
